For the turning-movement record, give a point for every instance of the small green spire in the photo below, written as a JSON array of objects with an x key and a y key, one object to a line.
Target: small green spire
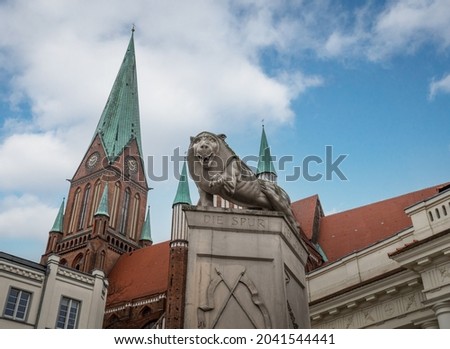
[
  {"x": 58, "y": 224},
  {"x": 120, "y": 121},
  {"x": 103, "y": 205},
  {"x": 183, "y": 196},
  {"x": 265, "y": 164},
  {"x": 146, "y": 234}
]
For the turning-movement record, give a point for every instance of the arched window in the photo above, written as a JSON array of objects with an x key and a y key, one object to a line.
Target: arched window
[
  {"x": 115, "y": 204},
  {"x": 102, "y": 260},
  {"x": 84, "y": 207},
  {"x": 95, "y": 201},
  {"x": 134, "y": 216},
  {"x": 75, "y": 210},
  {"x": 124, "y": 212},
  {"x": 146, "y": 311},
  {"x": 78, "y": 262}
]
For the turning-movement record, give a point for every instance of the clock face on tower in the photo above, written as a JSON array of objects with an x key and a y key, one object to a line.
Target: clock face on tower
[
  {"x": 131, "y": 164},
  {"x": 92, "y": 160}
]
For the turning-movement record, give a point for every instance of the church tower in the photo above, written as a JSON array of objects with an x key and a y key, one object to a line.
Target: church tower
[
  {"x": 265, "y": 169},
  {"x": 106, "y": 205}
]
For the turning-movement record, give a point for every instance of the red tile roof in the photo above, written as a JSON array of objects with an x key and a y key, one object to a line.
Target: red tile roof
[
  {"x": 349, "y": 231},
  {"x": 141, "y": 273},
  {"x": 304, "y": 210}
]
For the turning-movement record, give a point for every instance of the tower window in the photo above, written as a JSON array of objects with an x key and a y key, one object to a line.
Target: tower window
[
  {"x": 124, "y": 213},
  {"x": 84, "y": 207},
  {"x": 95, "y": 201},
  {"x": 115, "y": 203},
  {"x": 78, "y": 262},
  {"x": 134, "y": 217},
  {"x": 75, "y": 209}
]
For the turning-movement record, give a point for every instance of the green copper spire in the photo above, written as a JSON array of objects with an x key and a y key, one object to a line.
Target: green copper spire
[
  {"x": 58, "y": 225},
  {"x": 265, "y": 164},
  {"x": 183, "y": 196},
  {"x": 120, "y": 122},
  {"x": 146, "y": 234},
  {"x": 103, "y": 205}
]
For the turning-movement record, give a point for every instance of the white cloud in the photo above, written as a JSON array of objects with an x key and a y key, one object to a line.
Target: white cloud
[
  {"x": 25, "y": 216},
  {"x": 406, "y": 25},
  {"x": 439, "y": 86},
  {"x": 34, "y": 162}
]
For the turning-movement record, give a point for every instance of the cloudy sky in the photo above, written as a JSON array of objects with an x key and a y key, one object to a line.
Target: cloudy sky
[{"x": 361, "y": 84}]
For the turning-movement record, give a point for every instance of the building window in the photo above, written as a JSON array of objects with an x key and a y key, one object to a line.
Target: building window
[
  {"x": 68, "y": 313},
  {"x": 437, "y": 214},
  {"x": 124, "y": 213},
  {"x": 17, "y": 304}
]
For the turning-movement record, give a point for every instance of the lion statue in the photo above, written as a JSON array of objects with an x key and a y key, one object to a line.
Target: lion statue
[{"x": 216, "y": 169}]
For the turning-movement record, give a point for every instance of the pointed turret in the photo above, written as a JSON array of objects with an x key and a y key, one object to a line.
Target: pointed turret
[
  {"x": 183, "y": 196},
  {"x": 266, "y": 169},
  {"x": 178, "y": 255},
  {"x": 102, "y": 208},
  {"x": 55, "y": 234},
  {"x": 146, "y": 234},
  {"x": 58, "y": 224},
  {"x": 119, "y": 122}
]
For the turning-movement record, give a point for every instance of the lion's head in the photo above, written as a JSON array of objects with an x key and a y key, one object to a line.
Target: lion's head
[{"x": 205, "y": 147}]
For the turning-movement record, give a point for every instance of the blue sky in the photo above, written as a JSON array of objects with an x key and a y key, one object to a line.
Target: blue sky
[{"x": 371, "y": 79}]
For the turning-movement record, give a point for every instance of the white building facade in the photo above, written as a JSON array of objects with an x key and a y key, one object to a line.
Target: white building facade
[
  {"x": 400, "y": 282},
  {"x": 49, "y": 296}
]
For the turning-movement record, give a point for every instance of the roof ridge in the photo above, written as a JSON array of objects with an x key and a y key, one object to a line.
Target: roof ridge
[{"x": 436, "y": 187}]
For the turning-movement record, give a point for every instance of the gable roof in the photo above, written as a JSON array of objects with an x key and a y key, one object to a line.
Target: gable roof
[
  {"x": 349, "y": 231},
  {"x": 304, "y": 212},
  {"x": 141, "y": 273}
]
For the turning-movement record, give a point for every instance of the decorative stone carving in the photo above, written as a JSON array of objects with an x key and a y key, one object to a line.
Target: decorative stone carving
[
  {"x": 216, "y": 169},
  {"x": 369, "y": 316},
  {"x": 240, "y": 278}
]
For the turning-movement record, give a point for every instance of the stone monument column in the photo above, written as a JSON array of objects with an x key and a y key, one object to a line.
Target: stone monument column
[{"x": 245, "y": 269}]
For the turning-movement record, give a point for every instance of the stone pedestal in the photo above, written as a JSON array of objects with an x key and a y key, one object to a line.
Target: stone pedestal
[{"x": 245, "y": 269}]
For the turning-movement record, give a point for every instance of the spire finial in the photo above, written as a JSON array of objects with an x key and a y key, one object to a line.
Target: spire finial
[
  {"x": 133, "y": 28},
  {"x": 262, "y": 122}
]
